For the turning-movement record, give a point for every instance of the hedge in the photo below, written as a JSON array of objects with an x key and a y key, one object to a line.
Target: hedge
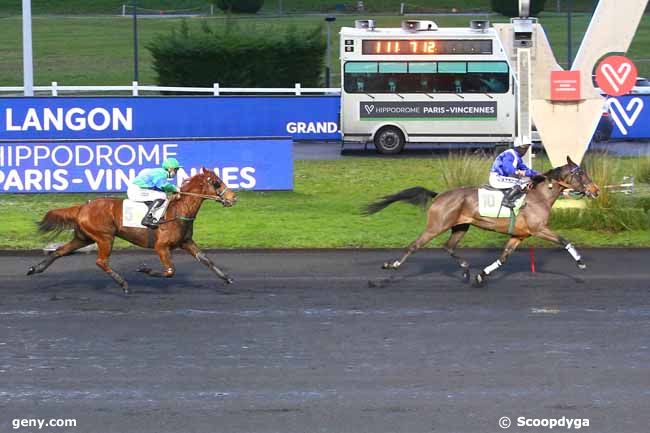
[
  {"x": 240, "y": 6},
  {"x": 238, "y": 58}
]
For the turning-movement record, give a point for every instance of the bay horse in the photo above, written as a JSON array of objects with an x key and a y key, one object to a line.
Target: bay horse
[
  {"x": 457, "y": 209},
  {"x": 100, "y": 221}
]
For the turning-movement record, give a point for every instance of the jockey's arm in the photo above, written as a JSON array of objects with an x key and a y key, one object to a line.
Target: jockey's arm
[
  {"x": 508, "y": 164},
  {"x": 169, "y": 187},
  {"x": 528, "y": 172}
]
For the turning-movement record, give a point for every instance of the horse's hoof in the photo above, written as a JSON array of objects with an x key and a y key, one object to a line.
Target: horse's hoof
[
  {"x": 480, "y": 280},
  {"x": 581, "y": 265},
  {"x": 125, "y": 288},
  {"x": 229, "y": 280},
  {"x": 466, "y": 275},
  {"x": 31, "y": 270},
  {"x": 389, "y": 265}
]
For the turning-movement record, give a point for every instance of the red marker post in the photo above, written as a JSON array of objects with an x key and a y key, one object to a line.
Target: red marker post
[{"x": 533, "y": 269}]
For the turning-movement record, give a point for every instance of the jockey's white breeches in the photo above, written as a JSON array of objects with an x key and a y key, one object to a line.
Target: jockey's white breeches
[
  {"x": 135, "y": 193},
  {"x": 504, "y": 182}
]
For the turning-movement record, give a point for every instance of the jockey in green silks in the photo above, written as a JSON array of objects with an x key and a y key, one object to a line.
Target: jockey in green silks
[{"x": 151, "y": 187}]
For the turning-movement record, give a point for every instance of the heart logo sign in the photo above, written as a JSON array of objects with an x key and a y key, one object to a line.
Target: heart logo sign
[
  {"x": 616, "y": 78},
  {"x": 625, "y": 117},
  {"x": 369, "y": 108},
  {"x": 616, "y": 75}
]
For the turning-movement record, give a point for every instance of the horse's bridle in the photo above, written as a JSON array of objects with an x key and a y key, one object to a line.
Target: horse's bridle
[
  {"x": 223, "y": 192},
  {"x": 574, "y": 172},
  {"x": 219, "y": 197}
]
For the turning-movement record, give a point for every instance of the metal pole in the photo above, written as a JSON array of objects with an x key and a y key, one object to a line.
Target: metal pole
[
  {"x": 569, "y": 33},
  {"x": 329, "y": 19},
  {"x": 135, "y": 41},
  {"x": 328, "y": 67},
  {"x": 279, "y": 7},
  {"x": 28, "y": 65}
]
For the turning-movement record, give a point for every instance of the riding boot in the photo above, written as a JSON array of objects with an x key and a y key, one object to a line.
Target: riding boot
[
  {"x": 149, "y": 220},
  {"x": 511, "y": 196}
]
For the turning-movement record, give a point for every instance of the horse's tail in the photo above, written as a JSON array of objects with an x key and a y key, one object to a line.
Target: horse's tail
[
  {"x": 58, "y": 220},
  {"x": 417, "y": 196}
]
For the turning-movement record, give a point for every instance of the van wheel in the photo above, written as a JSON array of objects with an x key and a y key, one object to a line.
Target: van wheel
[{"x": 389, "y": 140}]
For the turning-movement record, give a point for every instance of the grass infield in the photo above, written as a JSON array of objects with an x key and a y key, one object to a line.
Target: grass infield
[{"x": 322, "y": 212}]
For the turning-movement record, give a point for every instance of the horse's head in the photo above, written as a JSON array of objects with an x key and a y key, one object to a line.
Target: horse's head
[
  {"x": 211, "y": 184},
  {"x": 577, "y": 179}
]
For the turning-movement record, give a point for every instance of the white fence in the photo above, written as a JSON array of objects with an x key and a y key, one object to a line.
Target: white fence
[{"x": 136, "y": 89}]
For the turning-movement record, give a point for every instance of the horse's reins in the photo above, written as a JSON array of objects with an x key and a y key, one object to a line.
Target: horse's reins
[{"x": 219, "y": 198}]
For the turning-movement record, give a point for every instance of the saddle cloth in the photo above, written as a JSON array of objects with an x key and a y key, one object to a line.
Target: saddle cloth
[
  {"x": 489, "y": 203},
  {"x": 134, "y": 211}
]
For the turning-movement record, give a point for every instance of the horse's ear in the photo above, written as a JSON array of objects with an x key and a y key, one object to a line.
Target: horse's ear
[
  {"x": 203, "y": 170},
  {"x": 570, "y": 162}
]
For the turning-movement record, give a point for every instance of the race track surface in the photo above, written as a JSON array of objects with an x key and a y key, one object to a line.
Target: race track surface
[{"x": 325, "y": 341}]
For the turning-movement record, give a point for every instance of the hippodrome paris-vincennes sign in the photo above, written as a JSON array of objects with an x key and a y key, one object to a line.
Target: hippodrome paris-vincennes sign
[{"x": 432, "y": 110}]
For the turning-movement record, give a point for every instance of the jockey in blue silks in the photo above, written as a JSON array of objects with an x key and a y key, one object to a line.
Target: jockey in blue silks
[
  {"x": 510, "y": 172},
  {"x": 151, "y": 187}
]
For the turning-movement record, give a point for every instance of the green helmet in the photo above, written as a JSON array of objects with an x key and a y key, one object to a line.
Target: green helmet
[{"x": 170, "y": 163}]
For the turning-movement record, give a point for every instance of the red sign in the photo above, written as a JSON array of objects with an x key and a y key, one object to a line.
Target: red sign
[
  {"x": 565, "y": 85},
  {"x": 616, "y": 75}
]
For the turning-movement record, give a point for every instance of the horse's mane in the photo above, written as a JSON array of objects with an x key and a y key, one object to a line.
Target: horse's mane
[
  {"x": 188, "y": 181},
  {"x": 554, "y": 174}
]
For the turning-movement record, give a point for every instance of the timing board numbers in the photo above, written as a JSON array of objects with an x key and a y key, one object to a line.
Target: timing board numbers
[{"x": 425, "y": 46}]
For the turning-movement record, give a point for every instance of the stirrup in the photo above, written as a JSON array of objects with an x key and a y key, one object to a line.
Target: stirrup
[{"x": 150, "y": 221}]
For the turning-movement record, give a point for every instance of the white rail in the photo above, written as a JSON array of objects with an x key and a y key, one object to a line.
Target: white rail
[{"x": 135, "y": 88}]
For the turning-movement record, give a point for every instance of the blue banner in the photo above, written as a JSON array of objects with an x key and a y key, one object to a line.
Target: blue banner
[
  {"x": 631, "y": 116},
  {"x": 107, "y": 166},
  {"x": 301, "y": 117}
]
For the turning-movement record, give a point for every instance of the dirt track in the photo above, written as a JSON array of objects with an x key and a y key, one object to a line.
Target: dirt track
[{"x": 327, "y": 342}]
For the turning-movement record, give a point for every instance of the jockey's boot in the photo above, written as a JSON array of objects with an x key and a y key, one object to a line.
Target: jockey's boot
[
  {"x": 511, "y": 196},
  {"x": 149, "y": 220}
]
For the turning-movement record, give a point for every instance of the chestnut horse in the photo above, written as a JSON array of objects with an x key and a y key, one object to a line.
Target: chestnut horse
[
  {"x": 100, "y": 221},
  {"x": 457, "y": 209}
]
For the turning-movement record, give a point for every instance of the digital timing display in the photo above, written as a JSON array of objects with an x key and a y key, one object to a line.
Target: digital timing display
[{"x": 425, "y": 46}]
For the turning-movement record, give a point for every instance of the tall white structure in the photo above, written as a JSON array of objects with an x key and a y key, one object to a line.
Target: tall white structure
[{"x": 566, "y": 127}]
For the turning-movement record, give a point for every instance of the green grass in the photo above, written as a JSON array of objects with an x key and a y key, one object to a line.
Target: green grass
[
  {"x": 322, "y": 212},
  {"x": 99, "y": 50}
]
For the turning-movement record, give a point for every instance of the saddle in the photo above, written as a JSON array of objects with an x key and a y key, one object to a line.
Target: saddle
[
  {"x": 489, "y": 203},
  {"x": 133, "y": 213}
]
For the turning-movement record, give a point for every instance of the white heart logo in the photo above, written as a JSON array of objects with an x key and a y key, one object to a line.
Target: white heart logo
[
  {"x": 625, "y": 116},
  {"x": 616, "y": 77},
  {"x": 369, "y": 108}
]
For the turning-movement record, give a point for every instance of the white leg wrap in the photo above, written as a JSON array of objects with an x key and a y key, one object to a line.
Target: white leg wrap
[
  {"x": 493, "y": 267},
  {"x": 572, "y": 251}
]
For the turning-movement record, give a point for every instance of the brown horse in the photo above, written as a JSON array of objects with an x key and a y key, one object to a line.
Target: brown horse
[
  {"x": 458, "y": 209},
  {"x": 100, "y": 221}
]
